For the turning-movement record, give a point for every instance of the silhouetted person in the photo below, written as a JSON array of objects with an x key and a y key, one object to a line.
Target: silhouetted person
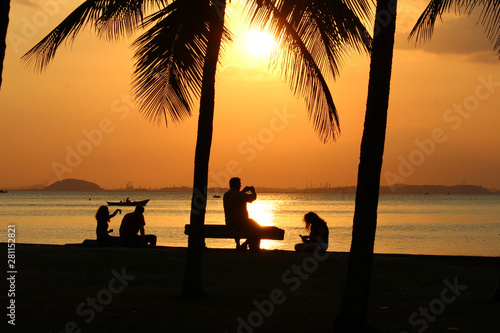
[
  {"x": 133, "y": 223},
  {"x": 103, "y": 218},
  {"x": 236, "y": 213},
  {"x": 318, "y": 234}
]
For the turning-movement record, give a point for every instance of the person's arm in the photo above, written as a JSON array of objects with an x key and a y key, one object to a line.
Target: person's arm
[
  {"x": 250, "y": 196},
  {"x": 305, "y": 239},
  {"x": 252, "y": 190},
  {"x": 143, "y": 235},
  {"x": 114, "y": 214}
]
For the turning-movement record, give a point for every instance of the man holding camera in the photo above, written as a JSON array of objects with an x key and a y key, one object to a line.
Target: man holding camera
[{"x": 236, "y": 213}]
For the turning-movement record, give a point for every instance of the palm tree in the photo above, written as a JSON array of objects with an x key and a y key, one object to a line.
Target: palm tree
[
  {"x": 489, "y": 18},
  {"x": 4, "y": 23},
  {"x": 354, "y": 304},
  {"x": 351, "y": 316},
  {"x": 176, "y": 61}
]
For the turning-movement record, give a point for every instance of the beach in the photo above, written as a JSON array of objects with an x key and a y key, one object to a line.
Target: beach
[{"x": 76, "y": 289}]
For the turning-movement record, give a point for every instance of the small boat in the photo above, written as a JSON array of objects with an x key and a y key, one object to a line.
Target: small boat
[
  {"x": 3, "y": 191},
  {"x": 128, "y": 203},
  {"x": 216, "y": 196}
]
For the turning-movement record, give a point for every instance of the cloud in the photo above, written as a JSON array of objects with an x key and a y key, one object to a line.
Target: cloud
[
  {"x": 454, "y": 35},
  {"x": 248, "y": 72}
]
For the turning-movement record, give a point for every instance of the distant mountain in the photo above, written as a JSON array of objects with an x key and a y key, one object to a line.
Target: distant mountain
[{"x": 73, "y": 185}]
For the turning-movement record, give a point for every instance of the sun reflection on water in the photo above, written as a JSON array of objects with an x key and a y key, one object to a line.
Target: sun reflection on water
[{"x": 263, "y": 212}]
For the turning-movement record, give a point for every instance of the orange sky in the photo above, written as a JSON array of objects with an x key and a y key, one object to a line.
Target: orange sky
[{"x": 78, "y": 120}]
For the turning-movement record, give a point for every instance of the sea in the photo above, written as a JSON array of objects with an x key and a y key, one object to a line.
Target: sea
[{"x": 407, "y": 223}]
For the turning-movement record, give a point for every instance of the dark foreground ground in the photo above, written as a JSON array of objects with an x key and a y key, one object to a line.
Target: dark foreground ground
[{"x": 75, "y": 289}]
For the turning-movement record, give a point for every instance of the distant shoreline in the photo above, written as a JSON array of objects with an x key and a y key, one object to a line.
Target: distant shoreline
[{"x": 74, "y": 185}]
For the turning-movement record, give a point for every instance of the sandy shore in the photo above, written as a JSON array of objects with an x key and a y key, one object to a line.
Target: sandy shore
[{"x": 68, "y": 289}]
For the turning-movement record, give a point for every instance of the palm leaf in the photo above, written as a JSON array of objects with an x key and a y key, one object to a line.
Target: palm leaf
[
  {"x": 314, "y": 38},
  {"x": 169, "y": 60},
  {"x": 330, "y": 30},
  {"x": 43, "y": 52},
  {"x": 489, "y": 18},
  {"x": 123, "y": 17},
  {"x": 112, "y": 18}
]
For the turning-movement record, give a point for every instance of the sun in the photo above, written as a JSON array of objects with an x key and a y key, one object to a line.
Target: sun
[{"x": 259, "y": 44}]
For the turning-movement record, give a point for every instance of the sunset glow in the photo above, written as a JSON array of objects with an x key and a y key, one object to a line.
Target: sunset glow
[{"x": 78, "y": 118}]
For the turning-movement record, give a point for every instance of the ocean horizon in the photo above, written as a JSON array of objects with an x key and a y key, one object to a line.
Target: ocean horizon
[{"x": 77, "y": 185}]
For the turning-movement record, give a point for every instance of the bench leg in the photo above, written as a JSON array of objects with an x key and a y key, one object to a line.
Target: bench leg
[{"x": 253, "y": 244}]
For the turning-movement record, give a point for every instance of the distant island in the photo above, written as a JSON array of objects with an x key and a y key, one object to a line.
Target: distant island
[
  {"x": 73, "y": 185},
  {"x": 76, "y": 185}
]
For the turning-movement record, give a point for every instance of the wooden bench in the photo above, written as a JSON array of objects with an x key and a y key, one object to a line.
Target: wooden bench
[{"x": 223, "y": 231}]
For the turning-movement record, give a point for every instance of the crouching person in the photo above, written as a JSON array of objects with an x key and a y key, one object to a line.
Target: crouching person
[
  {"x": 132, "y": 224},
  {"x": 318, "y": 234}
]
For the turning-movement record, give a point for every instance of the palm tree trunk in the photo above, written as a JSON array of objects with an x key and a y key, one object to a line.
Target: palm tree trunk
[
  {"x": 354, "y": 304},
  {"x": 4, "y": 23},
  {"x": 192, "y": 285}
]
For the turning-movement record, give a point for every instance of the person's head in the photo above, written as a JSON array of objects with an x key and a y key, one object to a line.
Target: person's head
[
  {"x": 235, "y": 183},
  {"x": 139, "y": 209},
  {"x": 311, "y": 219},
  {"x": 102, "y": 212}
]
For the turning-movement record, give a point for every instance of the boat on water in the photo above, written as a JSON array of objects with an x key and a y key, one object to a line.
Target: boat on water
[
  {"x": 3, "y": 191},
  {"x": 128, "y": 203}
]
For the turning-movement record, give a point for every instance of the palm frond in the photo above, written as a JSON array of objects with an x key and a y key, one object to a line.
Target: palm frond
[
  {"x": 112, "y": 18},
  {"x": 330, "y": 29},
  {"x": 315, "y": 38},
  {"x": 123, "y": 17},
  {"x": 43, "y": 52},
  {"x": 169, "y": 60},
  {"x": 489, "y": 18},
  {"x": 424, "y": 27},
  {"x": 306, "y": 79}
]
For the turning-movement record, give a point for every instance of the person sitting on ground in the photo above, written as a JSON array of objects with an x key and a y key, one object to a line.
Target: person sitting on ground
[
  {"x": 133, "y": 223},
  {"x": 103, "y": 218},
  {"x": 236, "y": 213},
  {"x": 318, "y": 234}
]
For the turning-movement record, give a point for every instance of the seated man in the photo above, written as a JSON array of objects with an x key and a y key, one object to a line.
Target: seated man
[
  {"x": 132, "y": 223},
  {"x": 236, "y": 213}
]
